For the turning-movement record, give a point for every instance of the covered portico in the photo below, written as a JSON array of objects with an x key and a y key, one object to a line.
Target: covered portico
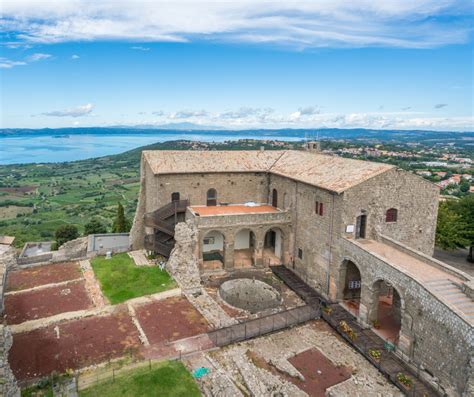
[{"x": 238, "y": 237}]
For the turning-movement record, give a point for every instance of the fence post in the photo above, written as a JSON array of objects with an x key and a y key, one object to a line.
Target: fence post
[{"x": 113, "y": 375}]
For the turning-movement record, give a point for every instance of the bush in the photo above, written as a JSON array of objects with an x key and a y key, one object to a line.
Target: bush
[
  {"x": 94, "y": 226},
  {"x": 65, "y": 233}
]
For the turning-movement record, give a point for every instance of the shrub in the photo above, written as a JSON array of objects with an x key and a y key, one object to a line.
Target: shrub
[{"x": 65, "y": 233}]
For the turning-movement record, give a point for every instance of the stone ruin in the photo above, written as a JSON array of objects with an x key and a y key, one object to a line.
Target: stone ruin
[
  {"x": 249, "y": 294},
  {"x": 183, "y": 261}
]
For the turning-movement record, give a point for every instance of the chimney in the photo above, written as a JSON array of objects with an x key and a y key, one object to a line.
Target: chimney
[{"x": 313, "y": 146}]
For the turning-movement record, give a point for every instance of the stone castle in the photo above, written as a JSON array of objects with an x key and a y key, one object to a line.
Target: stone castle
[{"x": 358, "y": 232}]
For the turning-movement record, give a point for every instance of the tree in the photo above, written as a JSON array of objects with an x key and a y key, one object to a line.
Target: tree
[
  {"x": 121, "y": 224},
  {"x": 464, "y": 186},
  {"x": 465, "y": 209},
  {"x": 455, "y": 228},
  {"x": 66, "y": 233},
  {"x": 94, "y": 226}
]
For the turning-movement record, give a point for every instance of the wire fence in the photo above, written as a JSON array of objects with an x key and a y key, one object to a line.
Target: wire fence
[
  {"x": 264, "y": 325},
  {"x": 111, "y": 374}
]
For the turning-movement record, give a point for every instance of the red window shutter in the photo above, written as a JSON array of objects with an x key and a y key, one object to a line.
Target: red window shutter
[{"x": 321, "y": 209}]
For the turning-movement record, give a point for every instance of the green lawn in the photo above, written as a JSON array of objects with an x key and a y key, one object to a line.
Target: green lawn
[
  {"x": 169, "y": 379},
  {"x": 121, "y": 280}
]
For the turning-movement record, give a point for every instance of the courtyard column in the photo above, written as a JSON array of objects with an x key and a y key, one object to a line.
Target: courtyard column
[
  {"x": 229, "y": 251},
  {"x": 258, "y": 250},
  {"x": 405, "y": 337},
  {"x": 369, "y": 299}
]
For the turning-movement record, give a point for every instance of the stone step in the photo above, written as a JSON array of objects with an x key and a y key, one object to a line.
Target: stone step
[
  {"x": 439, "y": 282},
  {"x": 466, "y": 304},
  {"x": 460, "y": 301},
  {"x": 449, "y": 291},
  {"x": 455, "y": 297}
]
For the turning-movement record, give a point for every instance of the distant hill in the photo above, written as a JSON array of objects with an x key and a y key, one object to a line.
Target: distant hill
[{"x": 358, "y": 134}]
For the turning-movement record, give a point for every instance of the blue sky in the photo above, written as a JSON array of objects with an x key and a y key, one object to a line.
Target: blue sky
[{"x": 393, "y": 64}]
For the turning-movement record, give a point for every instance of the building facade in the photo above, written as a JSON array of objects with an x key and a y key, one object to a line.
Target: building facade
[{"x": 360, "y": 233}]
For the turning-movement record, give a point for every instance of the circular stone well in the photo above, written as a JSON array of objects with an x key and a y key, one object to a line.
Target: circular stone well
[{"x": 252, "y": 295}]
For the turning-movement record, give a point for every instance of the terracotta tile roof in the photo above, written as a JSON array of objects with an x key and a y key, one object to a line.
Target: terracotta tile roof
[
  {"x": 327, "y": 172},
  {"x": 188, "y": 161}
]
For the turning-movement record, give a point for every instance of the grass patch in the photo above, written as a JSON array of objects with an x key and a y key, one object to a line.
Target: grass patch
[
  {"x": 169, "y": 379},
  {"x": 120, "y": 279}
]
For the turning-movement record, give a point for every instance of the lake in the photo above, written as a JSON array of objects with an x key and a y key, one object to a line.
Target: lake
[{"x": 44, "y": 148}]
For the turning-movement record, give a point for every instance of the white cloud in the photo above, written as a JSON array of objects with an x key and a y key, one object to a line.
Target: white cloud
[
  {"x": 187, "y": 114},
  {"x": 323, "y": 23},
  {"x": 75, "y": 56},
  {"x": 78, "y": 111},
  {"x": 6, "y": 63},
  {"x": 255, "y": 117},
  {"x": 140, "y": 48},
  {"x": 38, "y": 57}
]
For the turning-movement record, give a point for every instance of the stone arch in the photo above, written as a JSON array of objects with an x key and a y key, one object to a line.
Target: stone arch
[
  {"x": 213, "y": 244},
  {"x": 350, "y": 285},
  {"x": 273, "y": 245},
  {"x": 245, "y": 248},
  {"x": 388, "y": 309}
]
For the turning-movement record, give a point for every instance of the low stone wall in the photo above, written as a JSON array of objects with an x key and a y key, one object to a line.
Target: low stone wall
[
  {"x": 8, "y": 384},
  {"x": 29, "y": 260},
  {"x": 425, "y": 258},
  {"x": 100, "y": 244}
]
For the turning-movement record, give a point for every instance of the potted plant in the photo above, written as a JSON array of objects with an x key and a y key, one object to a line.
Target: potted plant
[
  {"x": 404, "y": 380},
  {"x": 375, "y": 354}
]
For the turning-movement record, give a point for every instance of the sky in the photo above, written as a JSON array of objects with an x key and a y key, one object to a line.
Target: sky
[{"x": 389, "y": 64}]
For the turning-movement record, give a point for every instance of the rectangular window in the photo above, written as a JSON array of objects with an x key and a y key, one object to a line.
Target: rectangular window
[
  {"x": 208, "y": 241},
  {"x": 300, "y": 253},
  {"x": 316, "y": 207},
  {"x": 321, "y": 209},
  {"x": 354, "y": 284}
]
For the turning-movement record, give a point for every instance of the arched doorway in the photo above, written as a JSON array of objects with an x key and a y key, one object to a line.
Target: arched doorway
[
  {"x": 213, "y": 251},
  {"x": 273, "y": 247},
  {"x": 274, "y": 198},
  {"x": 175, "y": 196},
  {"x": 244, "y": 249},
  {"x": 211, "y": 197},
  {"x": 352, "y": 287},
  {"x": 387, "y": 314}
]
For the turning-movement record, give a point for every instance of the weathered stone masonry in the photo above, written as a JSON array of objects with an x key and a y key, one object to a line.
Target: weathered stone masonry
[{"x": 327, "y": 207}]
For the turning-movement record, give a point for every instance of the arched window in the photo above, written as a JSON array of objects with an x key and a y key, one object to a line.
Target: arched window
[
  {"x": 391, "y": 215},
  {"x": 274, "y": 198},
  {"x": 175, "y": 196},
  {"x": 212, "y": 197}
]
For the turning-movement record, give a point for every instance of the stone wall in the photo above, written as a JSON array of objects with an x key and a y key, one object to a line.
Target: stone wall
[
  {"x": 8, "y": 384},
  {"x": 415, "y": 199},
  {"x": 156, "y": 191},
  {"x": 432, "y": 334},
  {"x": 314, "y": 234}
]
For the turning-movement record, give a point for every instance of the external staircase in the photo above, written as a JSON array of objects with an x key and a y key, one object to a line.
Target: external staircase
[
  {"x": 453, "y": 294},
  {"x": 163, "y": 221}
]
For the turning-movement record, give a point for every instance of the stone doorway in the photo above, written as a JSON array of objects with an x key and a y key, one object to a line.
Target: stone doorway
[
  {"x": 351, "y": 288},
  {"x": 386, "y": 316},
  {"x": 244, "y": 249},
  {"x": 273, "y": 247},
  {"x": 213, "y": 251}
]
